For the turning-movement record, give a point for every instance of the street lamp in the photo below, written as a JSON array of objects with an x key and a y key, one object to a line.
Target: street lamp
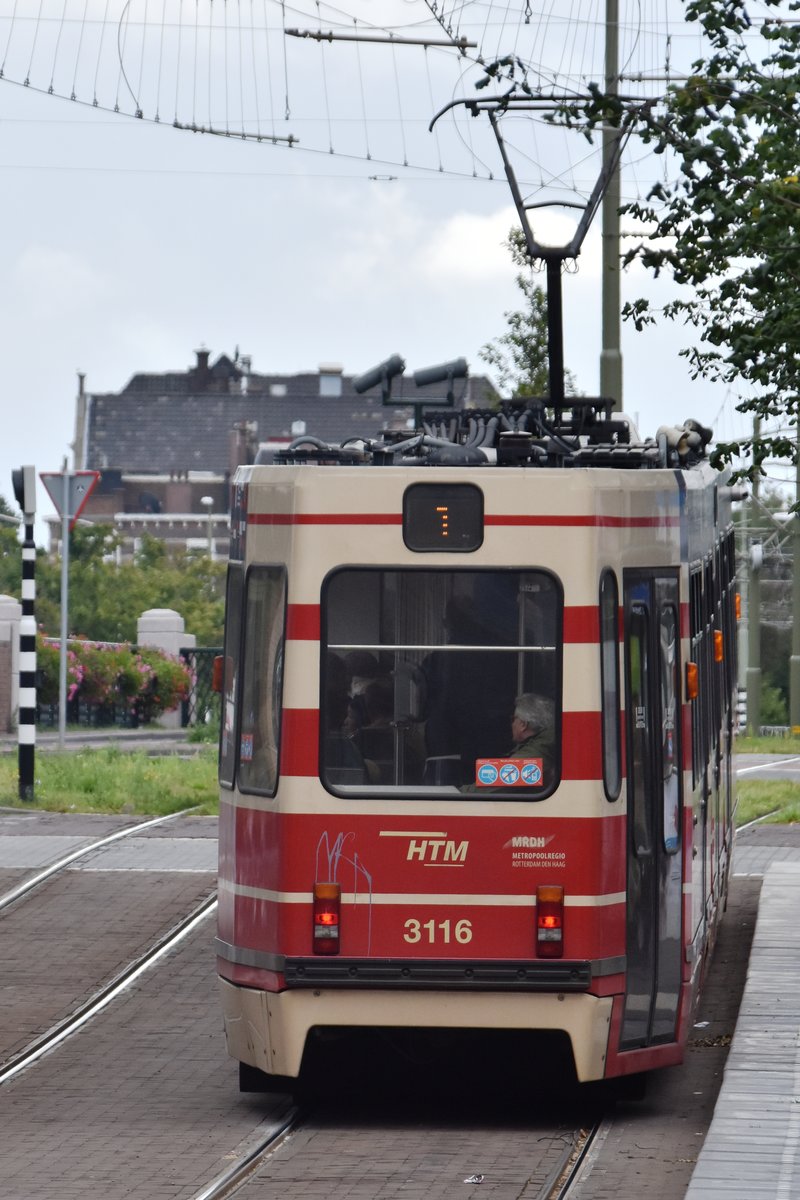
[{"x": 208, "y": 503}]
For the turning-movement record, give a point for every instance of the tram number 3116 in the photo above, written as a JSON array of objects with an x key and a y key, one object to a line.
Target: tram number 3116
[{"x": 433, "y": 931}]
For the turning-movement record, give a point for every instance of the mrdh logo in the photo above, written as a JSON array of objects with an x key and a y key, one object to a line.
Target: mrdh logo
[
  {"x": 431, "y": 849},
  {"x": 528, "y": 843}
]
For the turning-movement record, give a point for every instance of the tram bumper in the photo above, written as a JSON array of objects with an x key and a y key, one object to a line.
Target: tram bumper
[{"x": 268, "y": 1030}]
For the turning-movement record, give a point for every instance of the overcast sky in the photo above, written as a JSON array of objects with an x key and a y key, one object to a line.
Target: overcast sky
[{"x": 128, "y": 245}]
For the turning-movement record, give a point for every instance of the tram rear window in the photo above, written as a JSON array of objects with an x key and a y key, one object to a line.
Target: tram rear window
[{"x": 423, "y": 672}]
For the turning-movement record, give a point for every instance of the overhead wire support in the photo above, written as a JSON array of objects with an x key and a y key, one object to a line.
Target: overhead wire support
[
  {"x": 244, "y": 135},
  {"x": 316, "y": 35}
]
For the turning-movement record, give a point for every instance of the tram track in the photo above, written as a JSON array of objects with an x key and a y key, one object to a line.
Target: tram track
[
  {"x": 577, "y": 1161},
  {"x": 61, "y": 1030},
  {"x": 28, "y": 885},
  {"x": 570, "y": 1171},
  {"x": 256, "y": 1153}
]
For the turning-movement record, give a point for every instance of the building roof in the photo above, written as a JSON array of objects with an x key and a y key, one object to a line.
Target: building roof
[{"x": 183, "y": 420}]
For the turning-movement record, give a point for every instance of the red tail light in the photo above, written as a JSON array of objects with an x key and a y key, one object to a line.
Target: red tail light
[
  {"x": 327, "y": 899},
  {"x": 550, "y": 922}
]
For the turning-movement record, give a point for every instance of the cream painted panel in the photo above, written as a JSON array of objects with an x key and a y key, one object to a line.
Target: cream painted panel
[
  {"x": 581, "y": 680},
  {"x": 575, "y": 799},
  {"x": 585, "y": 1018},
  {"x": 244, "y": 1014},
  {"x": 301, "y": 675},
  {"x": 580, "y": 553}
]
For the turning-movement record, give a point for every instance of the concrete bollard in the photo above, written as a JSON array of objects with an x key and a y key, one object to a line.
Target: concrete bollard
[{"x": 163, "y": 628}]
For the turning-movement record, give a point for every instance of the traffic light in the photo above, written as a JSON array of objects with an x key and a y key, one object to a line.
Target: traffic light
[{"x": 24, "y": 481}]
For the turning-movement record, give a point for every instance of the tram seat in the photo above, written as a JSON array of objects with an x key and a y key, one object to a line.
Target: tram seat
[
  {"x": 343, "y": 764},
  {"x": 346, "y": 776},
  {"x": 442, "y": 770},
  {"x": 377, "y": 746}
]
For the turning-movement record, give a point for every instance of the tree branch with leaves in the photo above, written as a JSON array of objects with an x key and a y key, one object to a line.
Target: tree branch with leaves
[{"x": 728, "y": 229}]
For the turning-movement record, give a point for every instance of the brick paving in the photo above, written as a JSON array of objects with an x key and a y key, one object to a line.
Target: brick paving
[
  {"x": 143, "y": 1102},
  {"x": 79, "y": 928},
  {"x": 51, "y": 963},
  {"x": 381, "y": 1159}
]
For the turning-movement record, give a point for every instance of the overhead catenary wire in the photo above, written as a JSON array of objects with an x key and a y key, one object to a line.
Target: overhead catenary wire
[
  {"x": 78, "y": 54},
  {"x": 363, "y": 101},
  {"x": 325, "y": 85},
  {"x": 235, "y": 67}
]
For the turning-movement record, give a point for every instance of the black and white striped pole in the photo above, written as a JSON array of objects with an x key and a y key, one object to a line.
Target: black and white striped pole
[{"x": 24, "y": 481}]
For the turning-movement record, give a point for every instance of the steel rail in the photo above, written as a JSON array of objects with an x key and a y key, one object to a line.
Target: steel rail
[
  {"x": 252, "y": 1156},
  {"x": 109, "y": 991},
  {"x": 28, "y": 885},
  {"x": 577, "y": 1161}
]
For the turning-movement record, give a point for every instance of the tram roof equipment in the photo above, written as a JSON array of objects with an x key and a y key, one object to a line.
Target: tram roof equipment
[{"x": 524, "y": 432}]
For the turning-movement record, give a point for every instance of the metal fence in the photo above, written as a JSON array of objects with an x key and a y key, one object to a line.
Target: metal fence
[
  {"x": 94, "y": 716},
  {"x": 202, "y": 707}
]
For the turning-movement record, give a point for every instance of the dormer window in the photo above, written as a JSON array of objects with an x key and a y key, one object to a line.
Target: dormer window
[{"x": 330, "y": 379}]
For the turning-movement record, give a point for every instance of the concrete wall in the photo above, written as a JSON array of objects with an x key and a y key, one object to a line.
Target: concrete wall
[{"x": 10, "y": 614}]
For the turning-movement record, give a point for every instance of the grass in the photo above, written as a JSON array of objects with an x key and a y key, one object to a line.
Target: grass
[
  {"x": 110, "y": 780},
  {"x": 777, "y": 800},
  {"x": 767, "y": 745},
  {"x": 780, "y": 798}
]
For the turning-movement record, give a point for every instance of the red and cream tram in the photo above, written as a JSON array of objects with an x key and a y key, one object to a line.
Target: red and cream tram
[{"x": 476, "y": 734}]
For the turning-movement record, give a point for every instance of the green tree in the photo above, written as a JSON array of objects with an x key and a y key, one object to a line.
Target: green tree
[
  {"x": 106, "y": 597},
  {"x": 728, "y": 229},
  {"x": 10, "y": 554},
  {"x": 519, "y": 356}
]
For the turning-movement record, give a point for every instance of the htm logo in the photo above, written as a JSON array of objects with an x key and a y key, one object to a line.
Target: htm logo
[{"x": 431, "y": 849}]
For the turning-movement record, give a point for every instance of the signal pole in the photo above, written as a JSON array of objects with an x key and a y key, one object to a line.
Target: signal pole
[
  {"x": 794, "y": 661},
  {"x": 24, "y": 481},
  {"x": 755, "y": 558},
  {"x": 611, "y": 353}
]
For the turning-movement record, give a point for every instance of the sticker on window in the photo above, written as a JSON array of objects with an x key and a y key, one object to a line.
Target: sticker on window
[
  {"x": 246, "y": 752},
  {"x": 509, "y": 772}
]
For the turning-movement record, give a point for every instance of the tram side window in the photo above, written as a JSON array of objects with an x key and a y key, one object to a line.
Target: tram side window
[
  {"x": 609, "y": 671},
  {"x": 729, "y": 617},
  {"x": 714, "y": 584},
  {"x": 670, "y": 727},
  {"x": 262, "y": 679},
  {"x": 639, "y": 786},
  {"x": 696, "y": 635},
  {"x": 422, "y": 671},
  {"x": 230, "y": 680}
]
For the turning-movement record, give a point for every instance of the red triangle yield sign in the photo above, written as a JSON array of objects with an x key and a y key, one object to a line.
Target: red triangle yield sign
[{"x": 80, "y": 485}]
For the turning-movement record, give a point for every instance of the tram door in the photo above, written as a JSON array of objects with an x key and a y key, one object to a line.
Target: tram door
[{"x": 654, "y": 891}]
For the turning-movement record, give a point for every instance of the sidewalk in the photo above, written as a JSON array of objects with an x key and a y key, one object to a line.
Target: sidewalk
[
  {"x": 752, "y": 1148},
  {"x": 165, "y": 741}
]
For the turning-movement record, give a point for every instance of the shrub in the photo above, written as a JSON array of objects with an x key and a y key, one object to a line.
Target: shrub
[
  {"x": 168, "y": 680},
  {"x": 48, "y": 664},
  {"x": 101, "y": 674}
]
